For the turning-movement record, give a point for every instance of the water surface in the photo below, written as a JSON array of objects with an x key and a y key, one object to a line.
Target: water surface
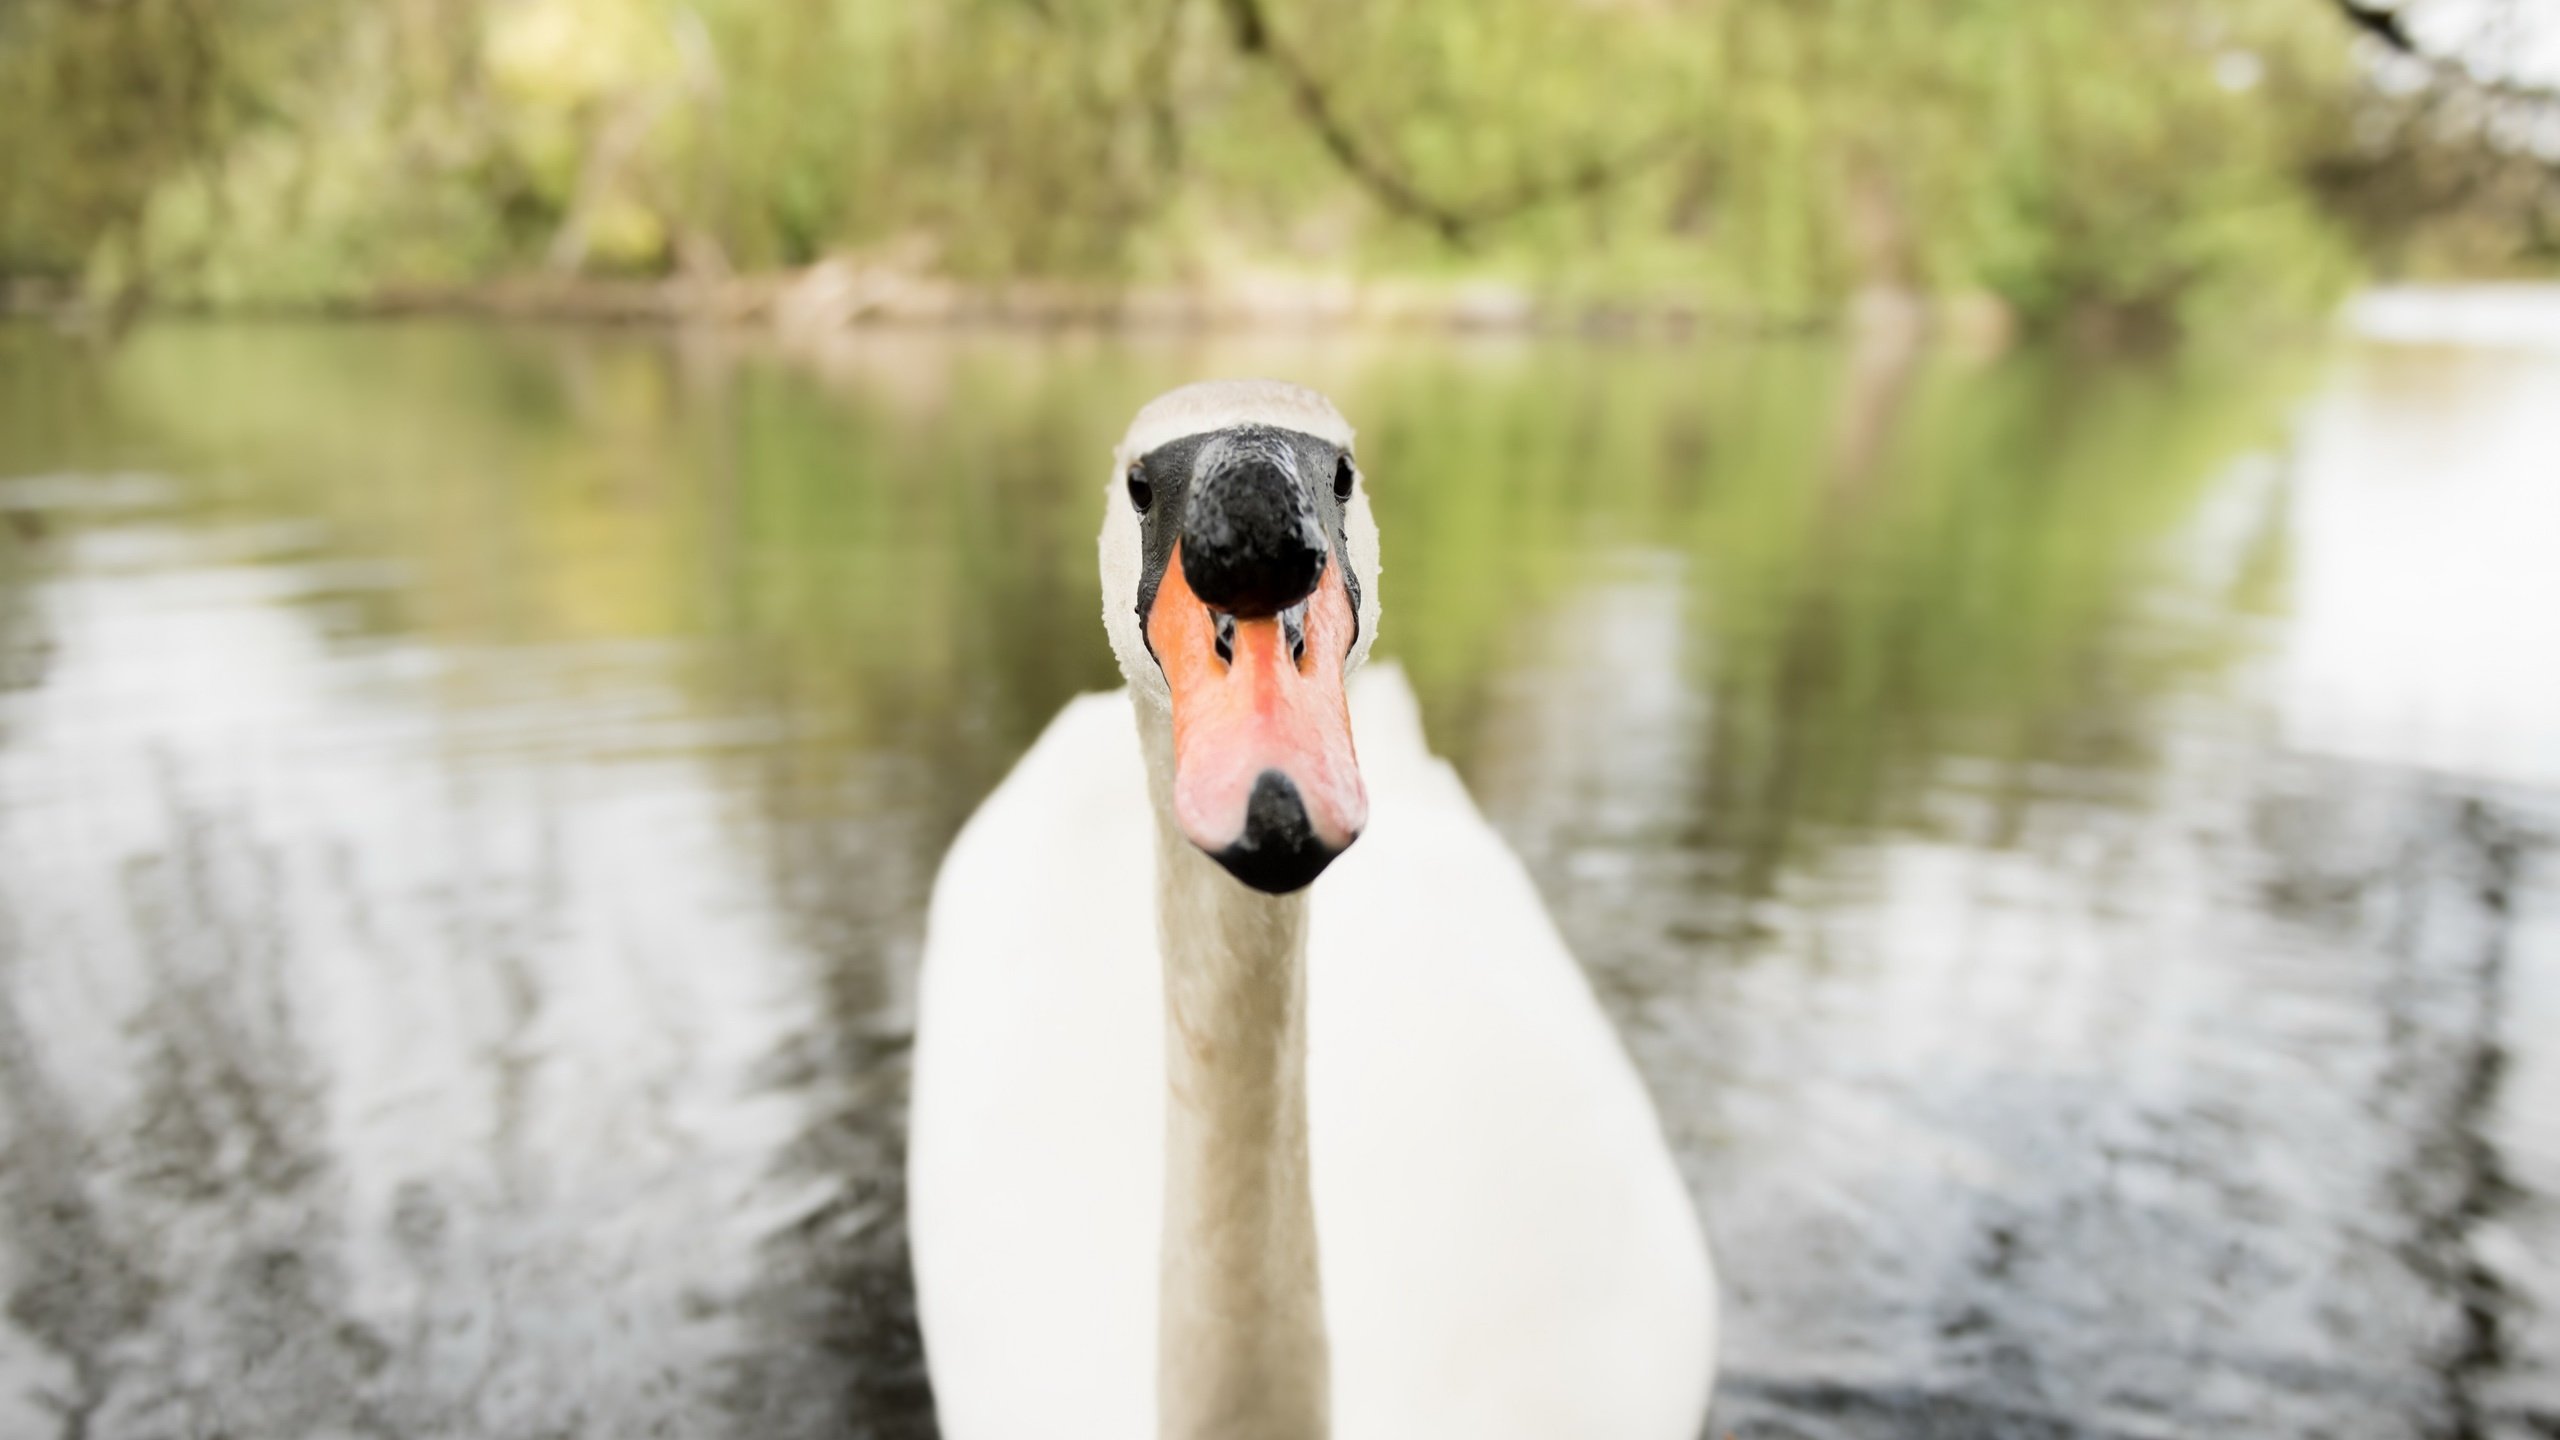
[{"x": 2068, "y": 842}]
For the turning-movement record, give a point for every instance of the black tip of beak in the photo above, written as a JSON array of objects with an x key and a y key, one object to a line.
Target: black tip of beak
[
  {"x": 1250, "y": 542},
  {"x": 1279, "y": 851}
]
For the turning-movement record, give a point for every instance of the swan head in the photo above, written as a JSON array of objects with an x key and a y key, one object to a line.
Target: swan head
[{"x": 1239, "y": 587}]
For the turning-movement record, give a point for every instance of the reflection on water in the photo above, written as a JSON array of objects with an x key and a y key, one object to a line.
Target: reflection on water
[{"x": 2067, "y": 842}]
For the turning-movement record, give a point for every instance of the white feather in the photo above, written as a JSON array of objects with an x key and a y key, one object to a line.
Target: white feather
[
  {"x": 1507, "y": 1248},
  {"x": 1210, "y": 405}
]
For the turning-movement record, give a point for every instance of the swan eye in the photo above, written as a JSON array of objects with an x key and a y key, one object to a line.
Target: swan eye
[
  {"x": 1342, "y": 479},
  {"x": 1141, "y": 494}
]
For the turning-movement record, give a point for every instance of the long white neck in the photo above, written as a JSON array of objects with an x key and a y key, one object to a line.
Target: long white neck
[{"x": 1240, "y": 1345}]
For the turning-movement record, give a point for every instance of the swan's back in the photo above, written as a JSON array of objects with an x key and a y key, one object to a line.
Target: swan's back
[
  {"x": 1035, "y": 1164},
  {"x": 1506, "y": 1247}
]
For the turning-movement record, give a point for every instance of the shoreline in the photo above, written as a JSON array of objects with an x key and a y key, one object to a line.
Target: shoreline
[{"x": 843, "y": 295}]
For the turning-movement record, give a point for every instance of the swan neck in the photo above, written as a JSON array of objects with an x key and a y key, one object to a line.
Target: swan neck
[{"x": 1241, "y": 1349}]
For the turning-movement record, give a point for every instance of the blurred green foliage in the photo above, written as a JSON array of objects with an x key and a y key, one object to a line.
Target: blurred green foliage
[{"x": 1743, "y": 157}]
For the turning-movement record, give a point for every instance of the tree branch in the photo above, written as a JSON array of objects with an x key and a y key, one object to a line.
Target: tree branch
[
  {"x": 2383, "y": 25},
  {"x": 2389, "y": 25},
  {"x": 1387, "y": 181}
]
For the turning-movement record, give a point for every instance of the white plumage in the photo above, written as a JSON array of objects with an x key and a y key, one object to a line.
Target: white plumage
[{"x": 1506, "y": 1248}]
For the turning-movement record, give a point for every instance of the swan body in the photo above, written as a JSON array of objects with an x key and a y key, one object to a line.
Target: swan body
[{"x": 1501, "y": 1247}]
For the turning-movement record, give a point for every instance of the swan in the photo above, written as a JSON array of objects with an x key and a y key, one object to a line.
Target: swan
[{"x": 1202, "y": 1147}]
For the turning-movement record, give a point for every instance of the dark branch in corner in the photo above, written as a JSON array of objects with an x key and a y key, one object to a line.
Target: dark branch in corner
[
  {"x": 2454, "y": 101},
  {"x": 2383, "y": 25},
  {"x": 2387, "y": 24},
  {"x": 1387, "y": 181}
]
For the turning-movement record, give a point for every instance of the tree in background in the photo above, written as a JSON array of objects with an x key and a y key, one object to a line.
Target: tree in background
[
  {"x": 2453, "y": 162},
  {"x": 1754, "y": 158}
]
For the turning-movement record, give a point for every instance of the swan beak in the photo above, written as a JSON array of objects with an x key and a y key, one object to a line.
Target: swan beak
[{"x": 1265, "y": 779}]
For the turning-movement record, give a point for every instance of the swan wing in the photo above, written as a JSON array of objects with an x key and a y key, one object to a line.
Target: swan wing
[
  {"x": 1036, "y": 1144},
  {"x": 1508, "y": 1248}
]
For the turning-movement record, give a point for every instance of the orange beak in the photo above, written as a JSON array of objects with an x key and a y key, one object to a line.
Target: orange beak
[{"x": 1265, "y": 779}]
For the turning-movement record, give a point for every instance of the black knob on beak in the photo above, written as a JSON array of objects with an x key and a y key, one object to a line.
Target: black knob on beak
[
  {"x": 1278, "y": 851},
  {"x": 1251, "y": 545}
]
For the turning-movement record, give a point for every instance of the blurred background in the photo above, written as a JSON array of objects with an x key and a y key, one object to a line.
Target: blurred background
[
  {"x": 1993, "y": 557},
  {"x": 2122, "y": 166}
]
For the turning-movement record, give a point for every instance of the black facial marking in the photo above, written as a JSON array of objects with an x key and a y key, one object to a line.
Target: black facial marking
[
  {"x": 1278, "y": 851},
  {"x": 1251, "y": 545},
  {"x": 1167, "y": 475}
]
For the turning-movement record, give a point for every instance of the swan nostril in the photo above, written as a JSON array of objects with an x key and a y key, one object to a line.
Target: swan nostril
[
  {"x": 1293, "y": 623},
  {"x": 1226, "y": 637}
]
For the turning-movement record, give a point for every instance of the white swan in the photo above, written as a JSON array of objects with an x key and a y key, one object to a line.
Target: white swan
[{"x": 1197, "y": 1161}]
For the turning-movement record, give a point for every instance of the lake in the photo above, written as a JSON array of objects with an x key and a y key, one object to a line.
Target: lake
[{"x": 2073, "y": 845}]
